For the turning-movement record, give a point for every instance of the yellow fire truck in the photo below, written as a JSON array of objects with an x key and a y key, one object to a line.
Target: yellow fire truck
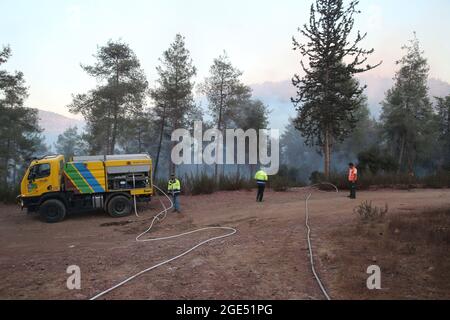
[{"x": 54, "y": 187}]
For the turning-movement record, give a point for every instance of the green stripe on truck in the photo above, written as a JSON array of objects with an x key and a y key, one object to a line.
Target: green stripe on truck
[{"x": 77, "y": 179}]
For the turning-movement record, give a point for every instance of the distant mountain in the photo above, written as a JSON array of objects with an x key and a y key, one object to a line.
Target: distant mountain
[
  {"x": 54, "y": 124},
  {"x": 277, "y": 96}
]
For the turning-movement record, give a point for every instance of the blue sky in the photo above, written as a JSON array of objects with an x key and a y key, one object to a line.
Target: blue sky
[{"x": 50, "y": 38}]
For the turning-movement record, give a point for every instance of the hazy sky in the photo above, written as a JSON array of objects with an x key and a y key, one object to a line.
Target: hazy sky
[{"x": 50, "y": 38}]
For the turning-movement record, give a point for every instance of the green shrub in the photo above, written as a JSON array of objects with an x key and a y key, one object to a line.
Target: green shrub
[
  {"x": 367, "y": 180},
  {"x": 199, "y": 184},
  {"x": 206, "y": 184},
  {"x": 235, "y": 182},
  {"x": 370, "y": 213},
  {"x": 439, "y": 180},
  {"x": 279, "y": 183}
]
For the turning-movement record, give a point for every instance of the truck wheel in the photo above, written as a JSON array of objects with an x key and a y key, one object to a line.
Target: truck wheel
[
  {"x": 119, "y": 206},
  {"x": 52, "y": 211}
]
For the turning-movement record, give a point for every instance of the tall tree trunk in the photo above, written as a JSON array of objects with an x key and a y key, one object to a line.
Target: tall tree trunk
[
  {"x": 107, "y": 147},
  {"x": 172, "y": 166},
  {"x": 7, "y": 157},
  {"x": 327, "y": 134},
  {"x": 223, "y": 150},
  {"x": 402, "y": 152},
  {"x": 327, "y": 154},
  {"x": 219, "y": 126},
  {"x": 114, "y": 129},
  {"x": 116, "y": 113},
  {"x": 158, "y": 153},
  {"x": 216, "y": 165},
  {"x": 5, "y": 176},
  {"x": 14, "y": 175},
  {"x": 252, "y": 170},
  {"x": 139, "y": 140},
  {"x": 216, "y": 176}
]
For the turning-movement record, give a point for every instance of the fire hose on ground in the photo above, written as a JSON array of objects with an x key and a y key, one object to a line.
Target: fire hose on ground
[
  {"x": 159, "y": 217},
  {"x": 308, "y": 227},
  {"x": 230, "y": 231}
]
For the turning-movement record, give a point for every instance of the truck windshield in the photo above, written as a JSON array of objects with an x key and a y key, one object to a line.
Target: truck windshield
[{"x": 39, "y": 171}]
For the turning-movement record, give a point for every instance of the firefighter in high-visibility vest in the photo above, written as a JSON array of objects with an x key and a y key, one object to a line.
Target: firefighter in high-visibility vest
[
  {"x": 352, "y": 179},
  {"x": 174, "y": 188},
  {"x": 261, "y": 179}
]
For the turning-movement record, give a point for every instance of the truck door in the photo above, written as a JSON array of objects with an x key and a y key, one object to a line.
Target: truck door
[{"x": 39, "y": 180}]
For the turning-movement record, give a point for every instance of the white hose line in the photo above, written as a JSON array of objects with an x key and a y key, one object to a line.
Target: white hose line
[
  {"x": 163, "y": 213},
  {"x": 311, "y": 255},
  {"x": 135, "y": 206}
]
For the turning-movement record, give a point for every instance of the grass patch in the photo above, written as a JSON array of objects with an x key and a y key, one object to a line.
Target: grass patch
[{"x": 411, "y": 249}]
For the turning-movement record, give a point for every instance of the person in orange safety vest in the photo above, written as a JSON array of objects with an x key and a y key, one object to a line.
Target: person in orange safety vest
[{"x": 352, "y": 179}]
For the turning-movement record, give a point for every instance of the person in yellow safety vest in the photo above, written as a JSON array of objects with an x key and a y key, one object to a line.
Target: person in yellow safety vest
[
  {"x": 261, "y": 179},
  {"x": 174, "y": 188},
  {"x": 352, "y": 179}
]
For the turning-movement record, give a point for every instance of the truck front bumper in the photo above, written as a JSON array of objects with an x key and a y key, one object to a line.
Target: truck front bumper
[{"x": 31, "y": 203}]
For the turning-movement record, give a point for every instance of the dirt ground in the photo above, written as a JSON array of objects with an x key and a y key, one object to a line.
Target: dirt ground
[{"x": 266, "y": 259}]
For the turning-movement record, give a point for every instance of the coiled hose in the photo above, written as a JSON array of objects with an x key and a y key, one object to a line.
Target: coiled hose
[{"x": 159, "y": 217}]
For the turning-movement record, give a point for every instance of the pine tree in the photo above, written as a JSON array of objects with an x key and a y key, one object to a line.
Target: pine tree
[
  {"x": 138, "y": 135},
  {"x": 407, "y": 113},
  {"x": 120, "y": 94},
  {"x": 174, "y": 105},
  {"x": 251, "y": 114},
  {"x": 70, "y": 143},
  {"x": 443, "y": 120},
  {"x": 293, "y": 148},
  {"x": 20, "y": 134},
  {"x": 224, "y": 91},
  {"x": 365, "y": 134},
  {"x": 327, "y": 95}
]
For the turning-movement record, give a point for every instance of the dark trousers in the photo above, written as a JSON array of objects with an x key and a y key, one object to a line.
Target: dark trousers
[
  {"x": 176, "y": 201},
  {"x": 260, "y": 195},
  {"x": 352, "y": 190}
]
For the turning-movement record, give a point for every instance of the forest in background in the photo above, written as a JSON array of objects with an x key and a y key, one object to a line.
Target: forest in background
[{"x": 408, "y": 144}]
